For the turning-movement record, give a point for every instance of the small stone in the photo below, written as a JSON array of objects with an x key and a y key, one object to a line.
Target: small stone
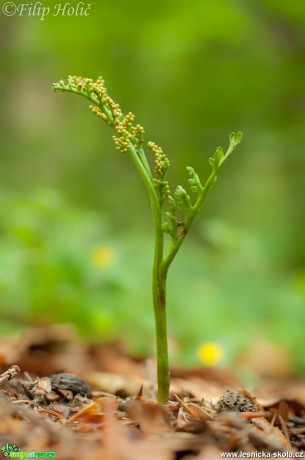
[
  {"x": 235, "y": 401},
  {"x": 71, "y": 382}
]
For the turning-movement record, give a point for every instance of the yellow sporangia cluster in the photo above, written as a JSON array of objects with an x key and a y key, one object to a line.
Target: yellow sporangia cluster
[
  {"x": 127, "y": 133},
  {"x": 161, "y": 166},
  {"x": 104, "y": 107},
  {"x": 94, "y": 89}
]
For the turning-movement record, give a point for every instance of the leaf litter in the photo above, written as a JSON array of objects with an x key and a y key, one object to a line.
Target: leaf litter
[{"x": 62, "y": 399}]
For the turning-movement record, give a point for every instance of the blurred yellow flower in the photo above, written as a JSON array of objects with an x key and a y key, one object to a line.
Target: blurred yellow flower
[
  {"x": 210, "y": 353},
  {"x": 103, "y": 256}
]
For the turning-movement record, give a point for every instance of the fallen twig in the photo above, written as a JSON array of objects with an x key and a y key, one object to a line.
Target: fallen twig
[{"x": 9, "y": 374}]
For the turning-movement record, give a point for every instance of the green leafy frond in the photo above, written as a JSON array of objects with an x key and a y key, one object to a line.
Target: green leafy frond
[
  {"x": 194, "y": 180},
  {"x": 171, "y": 227},
  {"x": 219, "y": 156},
  {"x": 183, "y": 200}
]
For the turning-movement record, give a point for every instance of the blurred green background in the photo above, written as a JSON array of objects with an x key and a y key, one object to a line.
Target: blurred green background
[{"x": 76, "y": 235}]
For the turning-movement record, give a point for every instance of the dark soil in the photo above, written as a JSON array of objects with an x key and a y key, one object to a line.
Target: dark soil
[{"x": 97, "y": 402}]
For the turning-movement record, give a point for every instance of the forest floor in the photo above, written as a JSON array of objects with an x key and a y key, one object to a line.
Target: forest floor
[{"x": 64, "y": 398}]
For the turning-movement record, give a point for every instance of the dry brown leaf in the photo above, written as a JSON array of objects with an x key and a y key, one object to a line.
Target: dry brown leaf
[
  {"x": 114, "y": 383},
  {"x": 91, "y": 412},
  {"x": 273, "y": 433},
  {"x": 151, "y": 417}
]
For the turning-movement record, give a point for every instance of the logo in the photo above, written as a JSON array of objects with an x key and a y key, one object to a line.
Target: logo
[{"x": 13, "y": 451}]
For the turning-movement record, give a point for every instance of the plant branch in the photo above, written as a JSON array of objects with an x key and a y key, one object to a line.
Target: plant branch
[{"x": 191, "y": 211}]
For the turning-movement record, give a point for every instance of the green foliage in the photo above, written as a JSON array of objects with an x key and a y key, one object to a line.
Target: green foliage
[
  {"x": 65, "y": 264},
  {"x": 48, "y": 275},
  {"x": 192, "y": 71}
]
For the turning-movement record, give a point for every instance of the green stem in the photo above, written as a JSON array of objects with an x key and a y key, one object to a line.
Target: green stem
[
  {"x": 159, "y": 303},
  {"x": 158, "y": 286},
  {"x": 147, "y": 181},
  {"x": 142, "y": 156}
]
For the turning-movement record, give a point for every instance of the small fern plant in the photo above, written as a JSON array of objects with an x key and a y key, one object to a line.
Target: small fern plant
[{"x": 167, "y": 207}]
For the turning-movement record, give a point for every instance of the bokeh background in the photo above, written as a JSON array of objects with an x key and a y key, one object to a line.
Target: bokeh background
[{"x": 76, "y": 235}]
